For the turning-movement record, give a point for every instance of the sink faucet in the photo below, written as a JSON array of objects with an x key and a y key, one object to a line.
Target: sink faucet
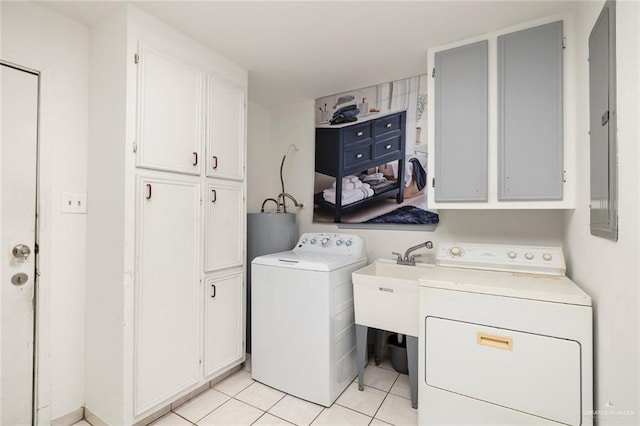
[
  {"x": 282, "y": 196},
  {"x": 411, "y": 260}
]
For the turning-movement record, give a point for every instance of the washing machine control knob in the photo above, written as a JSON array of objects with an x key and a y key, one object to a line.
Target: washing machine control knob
[
  {"x": 325, "y": 241},
  {"x": 348, "y": 243},
  {"x": 305, "y": 240},
  {"x": 546, "y": 257},
  {"x": 529, "y": 256},
  {"x": 512, "y": 254},
  {"x": 313, "y": 241},
  {"x": 339, "y": 243},
  {"x": 455, "y": 251}
]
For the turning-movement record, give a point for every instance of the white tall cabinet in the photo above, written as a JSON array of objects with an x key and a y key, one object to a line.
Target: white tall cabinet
[{"x": 165, "y": 220}]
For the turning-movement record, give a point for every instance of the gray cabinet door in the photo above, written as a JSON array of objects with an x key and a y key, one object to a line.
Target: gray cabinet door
[
  {"x": 530, "y": 147},
  {"x": 602, "y": 125},
  {"x": 461, "y": 123}
]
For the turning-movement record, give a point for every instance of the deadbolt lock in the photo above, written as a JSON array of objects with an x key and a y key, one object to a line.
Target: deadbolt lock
[
  {"x": 21, "y": 251},
  {"x": 19, "y": 278}
]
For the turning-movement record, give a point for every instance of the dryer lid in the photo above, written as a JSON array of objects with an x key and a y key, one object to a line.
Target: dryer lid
[{"x": 548, "y": 288}]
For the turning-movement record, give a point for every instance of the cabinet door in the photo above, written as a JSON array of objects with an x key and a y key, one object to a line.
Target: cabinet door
[
  {"x": 461, "y": 130},
  {"x": 225, "y": 221},
  {"x": 223, "y": 322},
  {"x": 225, "y": 136},
  {"x": 170, "y": 99},
  {"x": 602, "y": 125},
  {"x": 530, "y": 111},
  {"x": 167, "y": 290}
]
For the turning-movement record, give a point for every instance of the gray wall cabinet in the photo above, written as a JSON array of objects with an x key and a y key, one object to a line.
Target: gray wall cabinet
[
  {"x": 602, "y": 125},
  {"x": 461, "y": 118},
  {"x": 530, "y": 114},
  {"x": 500, "y": 134}
]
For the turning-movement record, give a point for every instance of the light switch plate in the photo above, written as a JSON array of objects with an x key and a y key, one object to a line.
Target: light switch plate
[{"x": 74, "y": 202}]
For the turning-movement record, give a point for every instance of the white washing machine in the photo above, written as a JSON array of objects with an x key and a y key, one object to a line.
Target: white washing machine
[
  {"x": 505, "y": 338},
  {"x": 303, "y": 332}
]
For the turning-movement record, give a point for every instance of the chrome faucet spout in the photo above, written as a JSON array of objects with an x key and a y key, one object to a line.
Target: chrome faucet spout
[
  {"x": 282, "y": 196},
  {"x": 411, "y": 260}
]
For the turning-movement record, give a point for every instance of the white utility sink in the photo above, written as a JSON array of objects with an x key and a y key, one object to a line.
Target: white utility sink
[{"x": 385, "y": 296}]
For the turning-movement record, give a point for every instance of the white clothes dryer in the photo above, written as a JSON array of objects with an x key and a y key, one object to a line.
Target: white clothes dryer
[
  {"x": 303, "y": 330},
  {"x": 505, "y": 338}
]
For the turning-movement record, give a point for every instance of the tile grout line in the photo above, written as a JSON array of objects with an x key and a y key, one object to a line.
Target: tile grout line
[
  {"x": 263, "y": 412},
  {"x": 182, "y": 417},
  {"x": 261, "y": 409},
  {"x": 318, "y": 415},
  {"x": 378, "y": 410},
  {"x": 256, "y": 420},
  {"x": 273, "y": 415},
  {"x": 355, "y": 411},
  {"x": 385, "y": 398},
  {"x": 237, "y": 393},
  {"x": 218, "y": 407}
]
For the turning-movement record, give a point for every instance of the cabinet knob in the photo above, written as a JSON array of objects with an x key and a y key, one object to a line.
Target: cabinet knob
[
  {"x": 195, "y": 158},
  {"x": 388, "y": 125},
  {"x": 214, "y": 162},
  {"x": 358, "y": 155},
  {"x": 388, "y": 146},
  {"x": 359, "y": 133},
  {"x": 214, "y": 196},
  {"x": 149, "y": 191}
]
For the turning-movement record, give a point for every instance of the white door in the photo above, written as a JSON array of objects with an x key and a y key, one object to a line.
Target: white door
[
  {"x": 170, "y": 114},
  {"x": 224, "y": 226},
  {"x": 225, "y": 136},
  {"x": 223, "y": 323},
  {"x": 167, "y": 314},
  {"x": 18, "y": 235}
]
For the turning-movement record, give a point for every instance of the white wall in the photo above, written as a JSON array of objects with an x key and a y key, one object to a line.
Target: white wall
[
  {"x": 295, "y": 124},
  {"x": 42, "y": 40},
  {"x": 263, "y": 159},
  {"x": 609, "y": 271}
]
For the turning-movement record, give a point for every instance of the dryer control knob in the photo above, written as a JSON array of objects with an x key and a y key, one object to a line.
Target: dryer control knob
[
  {"x": 304, "y": 241},
  {"x": 529, "y": 256},
  {"x": 455, "y": 251},
  {"x": 512, "y": 254},
  {"x": 313, "y": 241},
  {"x": 348, "y": 243},
  {"x": 325, "y": 241},
  {"x": 339, "y": 243},
  {"x": 546, "y": 257}
]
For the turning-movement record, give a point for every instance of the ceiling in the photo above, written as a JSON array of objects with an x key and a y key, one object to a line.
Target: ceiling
[{"x": 302, "y": 50}]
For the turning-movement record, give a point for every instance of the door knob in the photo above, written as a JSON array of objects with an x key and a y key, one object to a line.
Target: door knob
[{"x": 21, "y": 251}]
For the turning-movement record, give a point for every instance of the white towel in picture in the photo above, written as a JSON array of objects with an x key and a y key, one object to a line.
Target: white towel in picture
[
  {"x": 347, "y": 186},
  {"x": 374, "y": 178},
  {"x": 348, "y": 197},
  {"x": 346, "y": 192},
  {"x": 349, "y": 182},
  {"x": 407, "y": 172}
]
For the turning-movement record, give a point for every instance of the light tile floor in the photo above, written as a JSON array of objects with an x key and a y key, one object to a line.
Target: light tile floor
[{"x": 239, "y": 400}]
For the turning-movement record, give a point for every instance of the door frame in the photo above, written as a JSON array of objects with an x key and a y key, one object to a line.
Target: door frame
[{"x": 41, "y": 399}]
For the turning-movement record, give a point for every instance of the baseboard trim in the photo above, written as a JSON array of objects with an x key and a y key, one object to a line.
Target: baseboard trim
[
  {"x": 92, "y": 419},
  {"x": 96, "y": 421},
  {"x": 69, "y": 419},
  {"x": 154, "y": 416},
  {"x": 224, "y": 375},
  {"x": 178, "y": 402}
]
